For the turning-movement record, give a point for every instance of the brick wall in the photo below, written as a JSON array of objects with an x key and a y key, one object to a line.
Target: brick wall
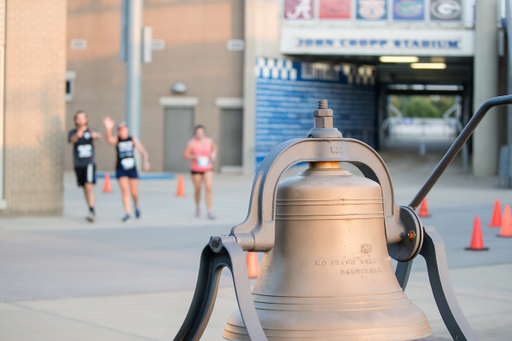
[
  {"x": 196, "y": 33},
  {"x": 34, "y": 106}
]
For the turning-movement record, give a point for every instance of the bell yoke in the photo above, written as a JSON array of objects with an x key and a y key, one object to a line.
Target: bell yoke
[{"x": 328, "y": 237}]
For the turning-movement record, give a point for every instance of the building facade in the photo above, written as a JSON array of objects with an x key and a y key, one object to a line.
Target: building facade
[
  {"x": 251, "y": 71},
  {"x": 32, "y": 109},
  {"x": 194, "y": 46}
]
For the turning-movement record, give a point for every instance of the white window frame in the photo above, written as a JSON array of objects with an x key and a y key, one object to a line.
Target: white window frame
[
  {"x": 229, "y": 102},
  {"x": 178, "y": 101},
  {"x": 70, "y": 77}
]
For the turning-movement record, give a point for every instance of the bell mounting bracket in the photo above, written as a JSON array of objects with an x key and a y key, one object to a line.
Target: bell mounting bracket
[
  {"x": 257, "y": 232},
  {"x": 220, "y": 252}
]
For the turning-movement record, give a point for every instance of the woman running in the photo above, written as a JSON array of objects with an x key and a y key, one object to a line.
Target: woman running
[
  {"x": 126, "y": 170},
  {"x": 202, "y": 151}
]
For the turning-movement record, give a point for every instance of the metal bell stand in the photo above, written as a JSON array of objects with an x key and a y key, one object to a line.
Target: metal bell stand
[{"x": 406, "y": 236}]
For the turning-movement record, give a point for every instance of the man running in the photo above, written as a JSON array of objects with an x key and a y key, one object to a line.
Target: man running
[{"x": 83, "y": 158}]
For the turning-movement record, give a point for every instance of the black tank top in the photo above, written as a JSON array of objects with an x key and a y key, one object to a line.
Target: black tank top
[
  {"x": 83, "y": 148},
  {"x": 125, "y": 154}
]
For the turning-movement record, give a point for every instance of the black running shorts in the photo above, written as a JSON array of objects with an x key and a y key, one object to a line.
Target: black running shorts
[{"x": 86, "y": 174}]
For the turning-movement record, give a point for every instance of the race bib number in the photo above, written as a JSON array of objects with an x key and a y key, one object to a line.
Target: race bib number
[
  {"x": 203, "y": 161},
  {"x": 125, "y": 148},
  {"x": 128, "y": 163},
  {"x": 84, "y": 151}
]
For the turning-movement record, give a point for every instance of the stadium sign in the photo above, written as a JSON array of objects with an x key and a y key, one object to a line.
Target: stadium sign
[{"x": 300, "y": 40}]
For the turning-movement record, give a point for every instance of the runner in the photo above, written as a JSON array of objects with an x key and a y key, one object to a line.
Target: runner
[
  {"x": 202, "y": 151},
  {"x": 126, "y": 170},
  {"x": 83, "y": 158}
]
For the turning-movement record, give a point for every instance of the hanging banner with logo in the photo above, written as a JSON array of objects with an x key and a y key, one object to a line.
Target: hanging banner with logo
[
  {"x": 299, "y": 9},
  {"x": 372, "y": 9},
  {"x": 408, "y": 10},
  {"x": 334, "y": 9},
  {"x": 445, "y": 10}
]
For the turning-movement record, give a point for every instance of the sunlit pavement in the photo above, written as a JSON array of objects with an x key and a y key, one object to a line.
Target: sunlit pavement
[{"x": 62, "y": 278}]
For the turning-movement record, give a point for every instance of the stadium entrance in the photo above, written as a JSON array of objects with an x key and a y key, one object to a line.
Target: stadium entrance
[{"x": 398, "y": 73}]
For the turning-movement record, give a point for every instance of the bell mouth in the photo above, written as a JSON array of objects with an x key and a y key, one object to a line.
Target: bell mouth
[{"x": 404, "y": 324}]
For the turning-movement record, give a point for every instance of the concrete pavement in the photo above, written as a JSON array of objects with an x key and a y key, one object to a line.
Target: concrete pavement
[{"x": 62, "y": 278}]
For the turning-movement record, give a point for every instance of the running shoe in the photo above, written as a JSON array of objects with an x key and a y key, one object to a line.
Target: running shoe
[
  {"x": 211, "y": 215},
  {"x": 127, "y": 219},
  {"x": 137, "y": 213},
  {"x": 91, "y": 217},
  {"x": 198, "y": 212}
]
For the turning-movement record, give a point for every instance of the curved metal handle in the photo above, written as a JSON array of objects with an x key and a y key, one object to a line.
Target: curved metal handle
[
  {"x": 222, "y": 251},
  {"x": 433, "y": 251},
  {"x": 457, "y": 145},
  {"x": 257, "y": 232}
]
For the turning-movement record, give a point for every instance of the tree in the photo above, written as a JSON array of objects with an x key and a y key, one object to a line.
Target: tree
[{"x": 420, "y": 106}]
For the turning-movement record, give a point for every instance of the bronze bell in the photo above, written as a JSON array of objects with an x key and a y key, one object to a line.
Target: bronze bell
[
  {"x": 328, "y": 236},
  {"x": 329, "y": 275}
]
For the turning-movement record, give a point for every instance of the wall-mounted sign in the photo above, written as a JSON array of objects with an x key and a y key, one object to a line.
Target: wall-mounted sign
[
  {"x": 444, "y": 10},
  {"x": 158, "y": 44},
  {"x": 372, "y": 9},
  {"x": 359, "y": 12},
  {"x": 408, "y": 10},
  {"x": 236, "y": 45},
  {"x": 299, "y": 9},
  {"x": 334, "y": 9},
  {"x": 78, "y": 44},
  {"x": 384, "y": 41}
]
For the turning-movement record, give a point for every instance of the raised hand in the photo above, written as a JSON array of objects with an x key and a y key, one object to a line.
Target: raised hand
[{"x": 108, "y": 122}]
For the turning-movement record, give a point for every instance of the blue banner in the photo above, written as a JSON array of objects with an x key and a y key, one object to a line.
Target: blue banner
[
  {"x": 287, "y": 93},
  {"x": 408, "y": 10}
]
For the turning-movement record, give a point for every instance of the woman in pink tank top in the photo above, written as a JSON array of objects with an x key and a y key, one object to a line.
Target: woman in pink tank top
[{"x": 201, "y": 151}]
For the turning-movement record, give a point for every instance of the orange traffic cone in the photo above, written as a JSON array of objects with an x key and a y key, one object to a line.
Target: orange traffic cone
[
  {"x": 477, "y": 240},
  {"x": 253, "y": 268},
  {"x": 496, "y": 215},
  {"x": 181, "y": 187},
  {"x": 424, "y": 209},
  {"x": 506, "y": 224},
  {"x": 107, "y": 188}
]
